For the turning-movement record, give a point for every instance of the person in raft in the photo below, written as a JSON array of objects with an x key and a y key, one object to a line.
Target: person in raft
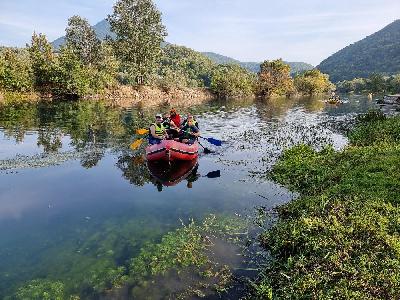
[
  {"x": 172, "y": 123},
  {"x": 157, "y": 131},
  {"x": 184, "y": 123},
  {"x": 189, "y": 132}
]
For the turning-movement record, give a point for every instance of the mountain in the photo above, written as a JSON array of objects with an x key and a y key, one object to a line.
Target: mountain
[
  {"x": 377, "y": 53},
  {"x": 296, "y": 67},
  {"x": 102, "y": 30}
]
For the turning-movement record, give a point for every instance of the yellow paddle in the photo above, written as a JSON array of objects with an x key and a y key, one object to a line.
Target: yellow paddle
[
  {"x": 142, "y": 131},
  {"x": 137, "y": 143}
]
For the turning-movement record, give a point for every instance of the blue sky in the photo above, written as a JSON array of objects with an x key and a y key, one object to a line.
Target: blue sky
[{"x": 252, "y": 30}]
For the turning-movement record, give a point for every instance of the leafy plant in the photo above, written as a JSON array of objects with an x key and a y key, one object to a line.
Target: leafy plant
[{"x": 340, "y": 238}]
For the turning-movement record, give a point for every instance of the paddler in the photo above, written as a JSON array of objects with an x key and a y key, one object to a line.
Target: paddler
[
  {"x": 172, "y": 123},
  {"x": 157, "y": 131},
  {"x": 189, "y": 132}
]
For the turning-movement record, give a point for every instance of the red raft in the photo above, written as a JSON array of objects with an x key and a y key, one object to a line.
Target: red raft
[{"x": 169, "y": 150}]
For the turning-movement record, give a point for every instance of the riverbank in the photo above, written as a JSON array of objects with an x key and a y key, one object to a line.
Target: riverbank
[
  {"x": 340, "y": 238},
  {"x": 128, "y": 96}
]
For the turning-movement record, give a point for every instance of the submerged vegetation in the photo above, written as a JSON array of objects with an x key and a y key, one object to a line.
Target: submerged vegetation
[
  {"x": 340, "y": 239},
  {"x": 179, "y": 253}
]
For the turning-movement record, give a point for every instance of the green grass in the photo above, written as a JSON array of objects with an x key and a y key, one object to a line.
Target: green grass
[{"x": 340, "y": 239}]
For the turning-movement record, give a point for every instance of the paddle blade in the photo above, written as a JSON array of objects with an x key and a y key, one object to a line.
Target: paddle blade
[
  {"x": 208, "y": 151},
  {"x": 142, "y": 131},
  {"x": 214, "y": 174},
  {"x": 136, "y": 144},
  {"x": 214, "y": 142}
]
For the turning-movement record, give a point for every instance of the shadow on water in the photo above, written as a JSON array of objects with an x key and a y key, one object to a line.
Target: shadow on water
[{"x": 81, "y": 211}]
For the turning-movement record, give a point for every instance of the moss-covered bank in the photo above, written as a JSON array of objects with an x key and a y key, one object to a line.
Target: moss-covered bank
[{"x": 340, "y": 239}]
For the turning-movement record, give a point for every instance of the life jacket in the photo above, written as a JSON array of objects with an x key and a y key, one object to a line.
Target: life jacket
[
  {"x": 160, "y": 130},
  {"x": 188, "y": 130},
  {"x": 194, "y": 123},
  {"x": 167, "y": 124}
]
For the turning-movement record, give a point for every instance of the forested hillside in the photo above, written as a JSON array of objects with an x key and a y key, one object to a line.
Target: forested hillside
[
  {"x": 295, "y": 67},
  {"x": 377, "y": 53},
  {"x": 102, "y": 29}
]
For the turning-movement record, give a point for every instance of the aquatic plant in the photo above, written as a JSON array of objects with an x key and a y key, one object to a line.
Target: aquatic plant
[
  {"x": 187, "y": 251},
  {"x": 41, "y": 289},
  {"x": 340, "y": 239}
]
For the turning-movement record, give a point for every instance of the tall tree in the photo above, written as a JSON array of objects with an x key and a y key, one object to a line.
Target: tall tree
[
  {"x": 274, "y": 79},
  {"x": 82, "y": 39},
  {"x": 43, "y": 60},
  {"x": 139, "y": 34}
]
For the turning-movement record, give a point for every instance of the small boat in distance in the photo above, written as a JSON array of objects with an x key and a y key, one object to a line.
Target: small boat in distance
[
  {"x": 170, "y": 150},
  {"x": 390, "y": 99}
]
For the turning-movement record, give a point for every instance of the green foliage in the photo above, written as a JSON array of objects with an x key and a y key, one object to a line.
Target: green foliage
[
  {"x": 81, "y": 38},
  {"x": 274, "y": 79},
  {"x": 358, "y": 85},
  {"x": 41, "y": 289},
  {"x": 295, "y": 67},
  {"x": 377, "y": 53},
  {"x": 15, "y": 70},
  {"x": 43, "y": 62},
  {"x": 179, "y": 249},
  {"x": 184, "y": 67},
  {"x": 313, "y": 82},
  {"x": 183, "y": 247},
  {"x": 139, "y": 33},
  {"x": 340, "y": 239},
  {"x": 70, "y": 77},
  {"x": 375, "y": 128},
  {"x": 376, "y": 83},
  {"x": 230, "y": 81}
]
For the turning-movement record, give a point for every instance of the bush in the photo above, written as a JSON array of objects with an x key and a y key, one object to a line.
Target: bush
[
  {"x": 230, "y": 81},
  {"x": 184, "y": 67},
  {"x": 313, "y": 82},
  {"x": 340, "y": 239},
  {"x": 15, "y": 70},
  {"x": 274, "y": 79}
]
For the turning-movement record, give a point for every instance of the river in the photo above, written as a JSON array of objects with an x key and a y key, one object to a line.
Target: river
[{"x": 76, "y": 203}]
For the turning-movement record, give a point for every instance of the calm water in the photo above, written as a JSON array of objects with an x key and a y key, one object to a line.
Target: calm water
[{"x": 74, "y": 199}]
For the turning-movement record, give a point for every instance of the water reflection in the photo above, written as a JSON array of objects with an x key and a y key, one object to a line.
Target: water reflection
[
  {"x": 165, "y": 174},
  {"x": 75, "y": 200}
]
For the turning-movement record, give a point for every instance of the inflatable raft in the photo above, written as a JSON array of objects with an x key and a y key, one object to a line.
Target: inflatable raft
[{"x": 169, "y": 150}]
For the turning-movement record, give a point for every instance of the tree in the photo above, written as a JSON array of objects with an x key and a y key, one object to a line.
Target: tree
[
  {"x": 394, "y": 84},
  {"x": 42, "y": 59},
  {"x": 274, "y": 79},
  {"x": 82, "y": 39},
  {"x": 376, "y": 83},
  {"x": 313, "y": 82},
  {"x": 71, "y": 77},
  {"x": 184, "y": 67},
  {"x": 15, "y": 70},
  {"x": 231, "y": 81},
  {"x": 139, "y": 34}
]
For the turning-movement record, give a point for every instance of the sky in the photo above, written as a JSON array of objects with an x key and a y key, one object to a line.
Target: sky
[{"x": 251, "y": 30}]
